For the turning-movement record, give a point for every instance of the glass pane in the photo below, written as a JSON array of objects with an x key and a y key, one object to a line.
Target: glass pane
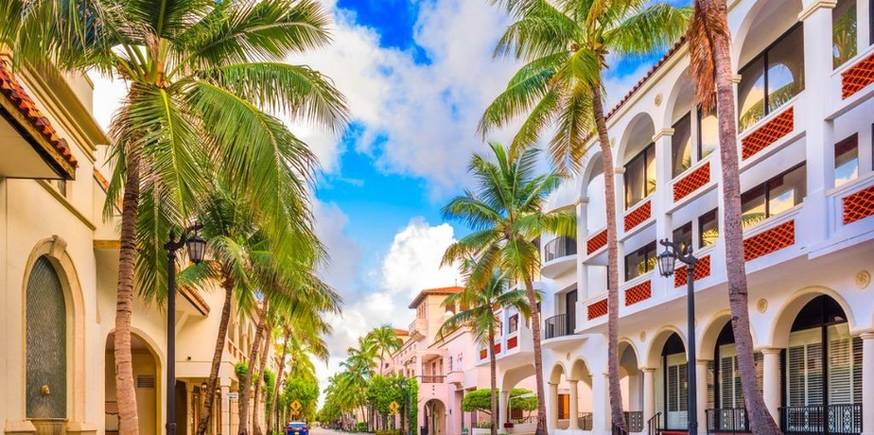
[
  {"x": 634, "y": 180},
  {"x": 650, "y": 170},
  {"x": 846, "y": 160},
  {"x": 752, "y": 207},
  {"x": 787, "y": 191},
  {"x": 640, "y": 261},
  {"x": 786, "y": 69},
  {"x": 46, "y": 344},
  {"x": 683, "y": 235},
  {"x": 751, "y": 94},
  {"x": 708, "y": 128},
  {"x": 843, "y": 31},
  {"x": 681, "y": 146},
  {"x": 708, "y": 229}
]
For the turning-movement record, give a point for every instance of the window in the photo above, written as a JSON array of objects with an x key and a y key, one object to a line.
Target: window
[
  {"x": 640, "y": 177},
  {"x": 681, "y": 145},
  {"x": 708, "y": 228},
  {"x": 772, "y": 78},
  {"x": 844, "y": 28},
  {"x": 846, "y": 160},
  {"x": 640, "y": 261},
  {"x": 708, "y": 133},
  {"x": 46, "y": 343},
  {"x": 514, "y": 323},
  {"x": 683, "y": 236},
  {"x": 774, "y": 196}
]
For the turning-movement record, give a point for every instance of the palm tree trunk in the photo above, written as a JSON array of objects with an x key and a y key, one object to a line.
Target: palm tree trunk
[
  {"x": 128, "y": 421},
  {"x": 286, "y": 336},
  {"x": 538, "y": 357},
  {"x": 612, "y": 263},
  {"x": 220, "y": 340},
  {"x": 246, "y": 381},
  {"x": 259, "y": 381},
  {"x": 493, "y": 378},
  {"x": 761, "y": 421}
]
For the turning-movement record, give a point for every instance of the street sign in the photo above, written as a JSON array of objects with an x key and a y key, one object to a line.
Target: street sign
[
  {"x": 296, "y": 406},
  {"x": 234, "y": 396},
  {"x": 394, "y": 407}
]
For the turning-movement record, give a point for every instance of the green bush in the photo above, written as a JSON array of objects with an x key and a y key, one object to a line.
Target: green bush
[
  {"x": 389, "y": 432},
  {"x": 361, "y": 427}
]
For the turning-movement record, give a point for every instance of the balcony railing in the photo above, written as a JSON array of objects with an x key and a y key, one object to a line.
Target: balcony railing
[
  {"x": 727, "y": 420},
  {"x": 557, "y": 326},
  {"x": 559, "y": 247},
  {"x": 433, "y": 379},
  {"x": 633, "y": 421},
  {"x": 584, "y": 420},
  {"x": 820, "y": 419}
]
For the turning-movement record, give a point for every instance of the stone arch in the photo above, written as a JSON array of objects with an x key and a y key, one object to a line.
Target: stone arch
[
  {"x": 654, "y": 348},
  {"x": 54, "y": 249},
  {"x": 680, "y": 99},
  {"x": 580, "y": 371},
  {"x": 435, "y": 417},
  {"x": 745, "y": 42},
  {"x": 710, "y": 333},
  {"x": 637, "y": 134},
  {"x": 558, "y": 370},
  {"x": 513, "y": 376},
  {"x": 141, "y": 340},
  {"x": 782, "y": 324}
]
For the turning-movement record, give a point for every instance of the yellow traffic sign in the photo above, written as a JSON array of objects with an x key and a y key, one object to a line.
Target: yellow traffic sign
[
  {"x": 296, "y": 406},
  {"x": 394, "y": 407}
]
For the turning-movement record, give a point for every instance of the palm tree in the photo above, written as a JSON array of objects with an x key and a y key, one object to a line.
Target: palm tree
[
  {"x": 566, "y": 44},
  {"x": 475, "y": 309},
  {"x": 506, "y": 215},
  {"x": 709, "y": 41},
  {"x": 385, "y": 341},
  {"x": 202, "y": 79}
]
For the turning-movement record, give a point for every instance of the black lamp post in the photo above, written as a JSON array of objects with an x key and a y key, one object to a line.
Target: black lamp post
[
  {"x": 667, "y": 261},
  {"x": 196, "y": 246}
]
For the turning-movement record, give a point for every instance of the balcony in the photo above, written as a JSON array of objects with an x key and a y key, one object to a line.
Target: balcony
[
  {"x": 559, "y": 256},
  {"x": 558, "y": 326},
  {"x": 727, "y": 420},
  {"x": 818, "y": 419},
  {"x": 432, "y": 379}
]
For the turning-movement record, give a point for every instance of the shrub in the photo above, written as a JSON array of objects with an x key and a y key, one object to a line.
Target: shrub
[
  {"x": 389, "y": 432},
  {"x": 361, "y": 427}
]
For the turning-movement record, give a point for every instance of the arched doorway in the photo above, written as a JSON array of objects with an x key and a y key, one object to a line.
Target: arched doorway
[
  {"x": 822, "y": 372},
  {"x": 675, "y": 383},
  {"x": 435, "y": 418},
  {"x": 631, "y": 385},
  {"x": 46, "y": 348},
  {"x": 726, "y": 409},
  {"x": 146, "y": 368}
]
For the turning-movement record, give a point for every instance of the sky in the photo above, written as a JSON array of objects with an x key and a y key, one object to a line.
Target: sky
[{"x": 417, "y": 75}]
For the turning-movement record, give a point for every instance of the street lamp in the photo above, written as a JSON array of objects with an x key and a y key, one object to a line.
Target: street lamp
[
  {"x": 195, "y": 246},
  {"x": 667, "y": 262}
]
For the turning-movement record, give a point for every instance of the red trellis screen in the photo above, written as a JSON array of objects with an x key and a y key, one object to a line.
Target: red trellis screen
[
  {"x": 597, "y": 309},
  {"x": 702, "y": 270},
  {"x": 773, "y": 240},
  {"x": 856, "y": 78},
  {"x": 769, "y": 133},
  {"x": 858, "y": 205},
  {"x": 638, "y": 293},
  {"x": 692, "y": 182},
  {"x": 596, "y": 242},
  {"x": 638, "y": 216},
  {"x": 512, "y": 342}
]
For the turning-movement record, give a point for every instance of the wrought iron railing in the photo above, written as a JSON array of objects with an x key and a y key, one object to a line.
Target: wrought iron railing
[
  {"x": 556, "y": 326},
  {"x": 584, "y": 420},
  {"x": 727, "y": 420},
  {"x": 433, "y": 379},
  {"x": 633, "y": 421},
  {"x": 821, "y": 419},
  {"x": 652, "y": 425},
  {"x": 559, "y": 247}
]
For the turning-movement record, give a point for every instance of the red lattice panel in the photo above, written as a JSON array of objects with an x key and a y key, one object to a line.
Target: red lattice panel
[
  {"x": 497, "y": 348},
  {"x": 596, "y": 242},
  {"x": 773, "y": 240},
  {"x": 702, "y": 270},
  {"x": 858, "y": 205},
  {"x": 769, "y": 133},
  {"x": 638, "y": 216},
  {"x": 512, "y": 342},
  {"x": 483, "y": 354},
  {"x": 856, "y": 78},
  {"x": 638, "y": 293},
  {"x": 692, "y": 182},
  {"x": 597, "y": 309}
]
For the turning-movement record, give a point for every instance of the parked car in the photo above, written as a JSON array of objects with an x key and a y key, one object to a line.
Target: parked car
[{"x": 297, "y": 428}]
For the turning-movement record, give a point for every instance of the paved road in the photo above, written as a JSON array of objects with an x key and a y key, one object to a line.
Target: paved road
[{"x": 320, "y": 431}]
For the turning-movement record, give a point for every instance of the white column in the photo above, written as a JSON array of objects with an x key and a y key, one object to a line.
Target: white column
[
  {"x": 574, "y": 405},
  {"x": 662, "y": 200},
  {"x": 701, "y": 394},
  {"x": 600, "y": 404},
  {"x": 553, "y": 406},
  {"x": 226, "y": 409},
  {"x": 503, "y": 410},
  {"x": 771, "y": 381},
  {"x": 648, "y": 393},
  {"x": 868, "y": 383}
]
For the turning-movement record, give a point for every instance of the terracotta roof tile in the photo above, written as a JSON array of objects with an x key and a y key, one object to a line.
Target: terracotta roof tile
[
  {"x": 673, "y": 50},
  {"x": 434, "y": 291},
  {"x": 12, "y": 89}
]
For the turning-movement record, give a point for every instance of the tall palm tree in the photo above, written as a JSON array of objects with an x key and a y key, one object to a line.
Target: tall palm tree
[
  {"x": 566, "y": 44},
  {"x": 386, "y": 342},
  {"x": 202, "y": 79},
  {"x": 506, "y": 215},
  {"x": 475, "y": 309},
  {"x": 709, "y": 41}
]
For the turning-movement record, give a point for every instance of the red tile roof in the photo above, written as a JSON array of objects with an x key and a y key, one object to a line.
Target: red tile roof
[
  {"x": 671, "y": 52},
  {"x": 14, "y": 92},
  {"x": 434, "y": 291},
  {"x": 401, "y": 332}
]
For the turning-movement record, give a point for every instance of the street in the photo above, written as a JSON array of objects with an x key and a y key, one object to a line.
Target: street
[{"x": 321, "y": 431}]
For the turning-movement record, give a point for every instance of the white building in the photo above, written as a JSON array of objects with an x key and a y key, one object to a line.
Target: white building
[{"x": 805, "y": 89}]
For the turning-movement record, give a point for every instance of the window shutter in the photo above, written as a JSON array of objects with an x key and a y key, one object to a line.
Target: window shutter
[
  {"x": 726, "y": 383},
  {"x": 672, "y": 388},
  {"x": 795, "y": 370},
  {"x": 857, "y": 370},
  {"x": 684, "y": 386},
  {"x": 814, "y": 374},
  {"x": 839, "y": 371}
]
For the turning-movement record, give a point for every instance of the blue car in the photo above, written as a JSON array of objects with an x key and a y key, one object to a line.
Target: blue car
[{"x": 297, "y": 428}]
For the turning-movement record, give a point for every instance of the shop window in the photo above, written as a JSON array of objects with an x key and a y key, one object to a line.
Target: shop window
[
  {"x": 708, "y": 228},
  {"x": 640, "y": 261},
  {"x": 640, "y": 176},
  {"x": 772, "y": 78},
  {"x": 774, "y": 196},
  {"x": 683, "y": 236},
  {"x": 847, "y": 160},
  {"x": 844, "y": 30}
]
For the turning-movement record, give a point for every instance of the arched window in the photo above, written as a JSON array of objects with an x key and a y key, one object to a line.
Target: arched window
[{"x": 46, "y": 324}]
